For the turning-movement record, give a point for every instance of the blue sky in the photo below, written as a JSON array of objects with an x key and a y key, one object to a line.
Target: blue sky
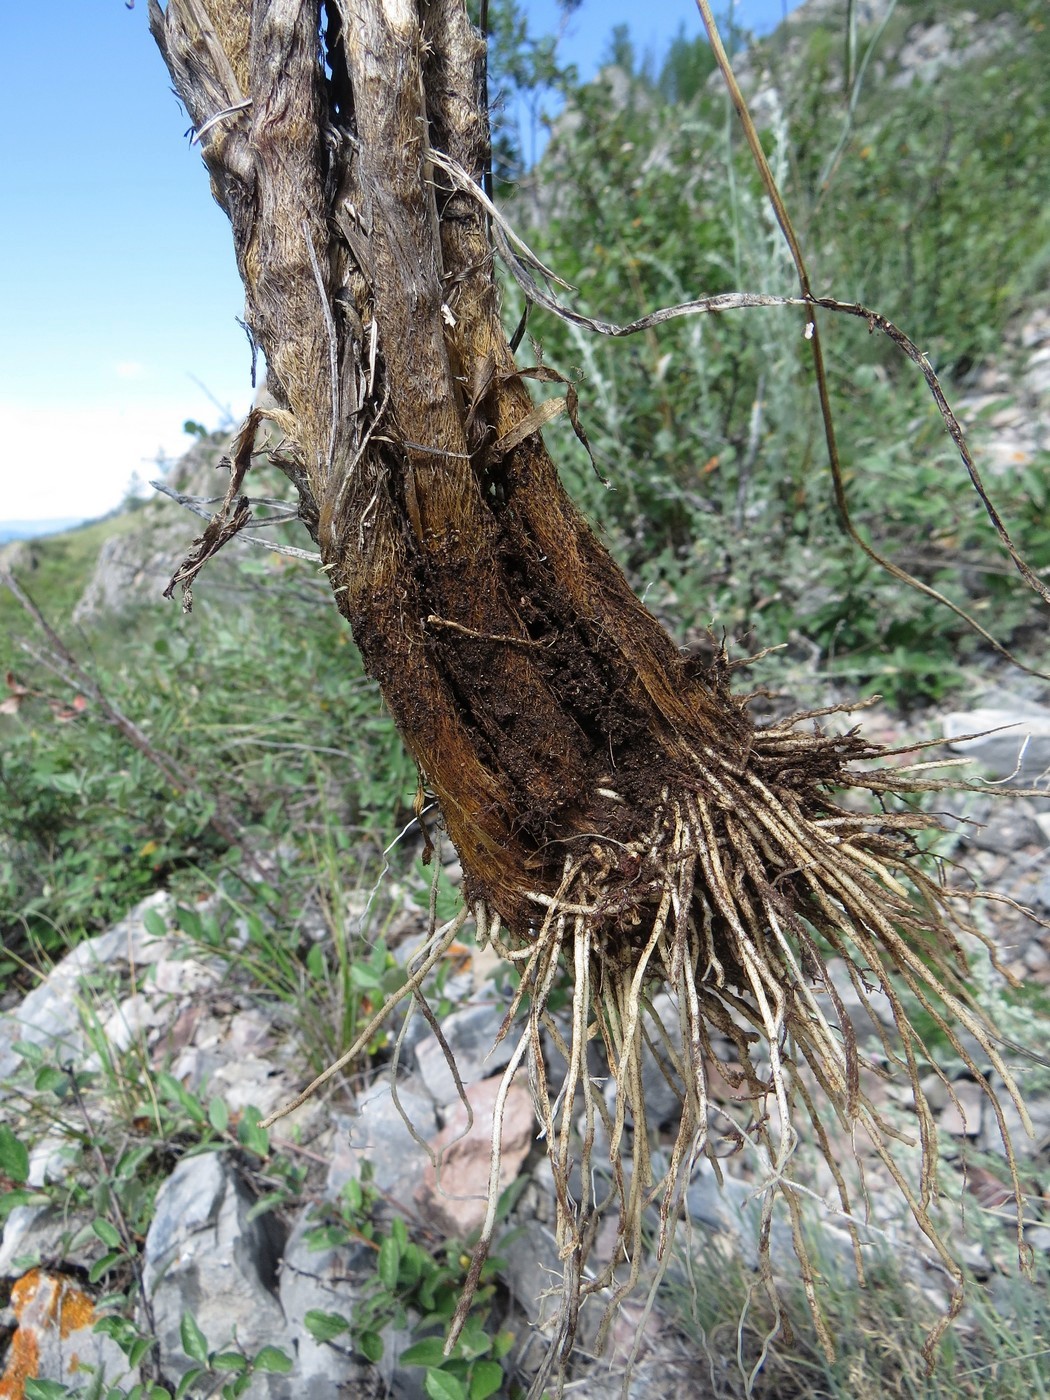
[{"x": 117, "y": 276}]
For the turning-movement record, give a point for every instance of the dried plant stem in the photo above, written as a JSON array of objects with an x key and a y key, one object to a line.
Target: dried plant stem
[{"x": 623, "y": 824}]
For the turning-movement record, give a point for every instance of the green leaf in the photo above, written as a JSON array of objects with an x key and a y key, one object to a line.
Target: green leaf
[
  {"x": 107, "y": 1233},
  {"x": 119, "y": 1329},
  {"x": 191, "y": 1377},
  {"x": 440, "y": 1385},
  {"x": 189, "y": 921},
  {"x": 14, "y": 1156},
  {"x": 325, "y": 1237},
  {"x": 265, "y": 1205},
  {"x": 503, "y": 1342},
  {"x": 218, "y": 1115},
  {"x": 413, "y": 1261},
  {"x": 229, "y": 1361},
  {"x": 194, "y": 1342},
  {"x": 474, "y": 1340},
  {"x": 273, "y": 1359},
  {"x": 509, "y": 1196},
  {"x": 486, "y": 1379},
  {"x": 22, "y": 1197},
  {"x": 155, "y": 923},
  {"x": 353, "y": 1195},
  {"x": 102, "y": 1266},
  {"x": 250, "y": 1135},
  {"x": 50, "y": 1079},
  {"x": 109, "y": 1300},
  {"x": 399, "y": 1231},
  {"x": 428, "y": 1352},
  {"x": 324, "y": 1326},
  {"x": 389, "y": 1262},
  {"x": 66, "y": 782},
  {"x": 138, "y": 1350},
  {"x": 178, "y": 1093},
  {"x": 36, "y": 1389},
  {"x": 370, "y": 1345},
  {"x": 363, "y": 978},
  {"x": 130, "y": 1162}
]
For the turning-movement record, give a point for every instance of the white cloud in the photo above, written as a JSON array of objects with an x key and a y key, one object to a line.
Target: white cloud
[{"x": 66, "y": 459}]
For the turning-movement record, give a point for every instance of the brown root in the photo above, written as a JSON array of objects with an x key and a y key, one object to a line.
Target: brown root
[{"x": 743, "y": 893}]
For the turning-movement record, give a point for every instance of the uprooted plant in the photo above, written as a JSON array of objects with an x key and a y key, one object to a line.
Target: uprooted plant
[{"x": 619, "y": 814}]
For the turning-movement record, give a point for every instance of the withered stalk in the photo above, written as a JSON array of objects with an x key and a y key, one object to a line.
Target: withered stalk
[{"x": 618, "y": 814}]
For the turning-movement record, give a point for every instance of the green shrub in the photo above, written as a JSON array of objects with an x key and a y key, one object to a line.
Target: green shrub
[{"x": 707, "y": 428}]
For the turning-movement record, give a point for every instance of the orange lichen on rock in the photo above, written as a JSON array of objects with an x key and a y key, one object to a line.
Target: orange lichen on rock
[
  {"x": 44, "y": 1304},
  {"x": 23, "y": 1360},
  {"x": 74, "y": 1308}
]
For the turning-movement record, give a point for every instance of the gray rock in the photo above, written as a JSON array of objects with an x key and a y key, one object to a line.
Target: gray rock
[
  {"x": 865, "y": 1012},
  {"x": 1040, "y": 895},
  {"x": 663, "y": 1100},
  {"x": 1039, "y": 1112},
  {"x": 930, "y": 48},
  {"x": 961, "y": 1115},
  {"x": 470, "y": 1034},
  {"x": 204, "y": 1256},
  {"x": 379, "y": 1135},
  {"x": 134, "y": 565},
  {"x": 187, "y": 976},
  {"x": 51, "y": 1159},
  {"x": 131, "y": 1021},
  {"x": 33, "y": 1233},
  {"x": 402, "y": 1382},
  {"x": 1037, "y": 955},
  {"x": 1006, "y": 830},
  {"x": 866, "y": 12},
  {"x": 250, "y": 1082},
  {"x": 328, "y": 1281},
  {"x": 531, "y": 1268},
  {"x": 250, "y": 1032},
  {"x": 734, "y": 1210},
  {"x": 1019, "y": 750},
  {"x": 935, "y": 1090},
  {"x": 127, "y": 939},
  {"x": 196, "y": 1067},
  {"x": 49, "y": 1015}
]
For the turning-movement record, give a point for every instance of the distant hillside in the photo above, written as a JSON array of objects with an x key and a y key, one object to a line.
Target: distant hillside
[{"x": 34, "y": 529}]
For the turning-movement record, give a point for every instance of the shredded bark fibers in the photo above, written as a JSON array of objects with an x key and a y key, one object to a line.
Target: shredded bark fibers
[{"x": 620, "y": 819}]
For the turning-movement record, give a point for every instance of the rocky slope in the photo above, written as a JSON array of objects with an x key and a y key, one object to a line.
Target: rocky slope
[
  {"x": 134, "y": 1070},
  {"x": 143, "y": 1004}
]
